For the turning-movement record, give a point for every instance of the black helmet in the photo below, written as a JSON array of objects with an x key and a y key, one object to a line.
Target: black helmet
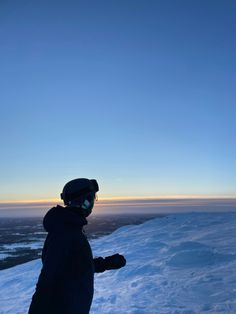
[{"x": 78, "y": 188}]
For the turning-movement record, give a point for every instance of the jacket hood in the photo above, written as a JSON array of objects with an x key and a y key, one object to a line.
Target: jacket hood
[{"x": 60, "y": 218}]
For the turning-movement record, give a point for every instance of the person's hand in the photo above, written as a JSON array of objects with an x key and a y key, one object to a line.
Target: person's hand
[{"x": 115, "y": 261}]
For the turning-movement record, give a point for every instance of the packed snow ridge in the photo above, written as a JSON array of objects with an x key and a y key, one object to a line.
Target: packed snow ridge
[{"x": 182, "y": 263}]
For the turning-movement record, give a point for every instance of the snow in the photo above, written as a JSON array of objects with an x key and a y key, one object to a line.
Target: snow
[
  {"x": 178, "y": 264},
  {"x": 22, "y": 245},
  {"x": 3, "y": 255}
]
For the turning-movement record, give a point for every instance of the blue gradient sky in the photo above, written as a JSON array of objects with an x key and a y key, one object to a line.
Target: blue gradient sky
[{"x": 137, "y": 94}]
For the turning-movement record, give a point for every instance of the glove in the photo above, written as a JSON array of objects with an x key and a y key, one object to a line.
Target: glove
[
  {"x": 115, "y": 261},
  {"x": 110, "y": 262}
]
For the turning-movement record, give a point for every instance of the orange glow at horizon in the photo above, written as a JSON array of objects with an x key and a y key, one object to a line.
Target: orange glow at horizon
[
  {"x": 120, "y": 199},
  {"x": 161, "y": 204}
]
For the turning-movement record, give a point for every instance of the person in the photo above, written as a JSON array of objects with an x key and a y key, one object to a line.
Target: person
[{"x": 66, "y": 282}]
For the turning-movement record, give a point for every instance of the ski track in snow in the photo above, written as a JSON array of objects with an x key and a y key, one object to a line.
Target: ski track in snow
[{"x": 178, "y": 264}]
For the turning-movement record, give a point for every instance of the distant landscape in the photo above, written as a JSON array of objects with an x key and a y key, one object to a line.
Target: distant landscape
[{"x": 21, "y": 239}]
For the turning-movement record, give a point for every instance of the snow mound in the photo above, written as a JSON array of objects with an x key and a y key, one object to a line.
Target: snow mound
[{"x": 183, "y": 263}]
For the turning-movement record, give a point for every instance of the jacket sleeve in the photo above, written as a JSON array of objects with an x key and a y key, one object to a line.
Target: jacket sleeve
[
  {"x": 66, "y": 279},
  {"x": 54, "y": 262},
  {"x": 50, "y": 278}
]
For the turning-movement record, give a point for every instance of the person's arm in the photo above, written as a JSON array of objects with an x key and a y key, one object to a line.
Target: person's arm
[
  {"x": 115, "y": 261},
  {"x": 49, "y": 281},
  {"x": 54, "y": 259}
]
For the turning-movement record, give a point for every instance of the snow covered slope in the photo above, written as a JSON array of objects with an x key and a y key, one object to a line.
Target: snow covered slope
[{"x": 182, "y": 263}]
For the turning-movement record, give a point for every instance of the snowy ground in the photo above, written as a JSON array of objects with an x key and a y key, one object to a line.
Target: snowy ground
[{"x": 183, "y": 263}]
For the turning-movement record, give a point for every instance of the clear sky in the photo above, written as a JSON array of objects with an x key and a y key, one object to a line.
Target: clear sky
[{"x": 139, "y": 95}]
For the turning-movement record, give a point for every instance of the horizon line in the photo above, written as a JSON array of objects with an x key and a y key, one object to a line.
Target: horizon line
[
  {"x": 161, "y": 204},
  {"x": 126, "y": 198}
]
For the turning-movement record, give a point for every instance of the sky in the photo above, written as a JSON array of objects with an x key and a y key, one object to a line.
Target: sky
[{"x": 139, "y": 95}]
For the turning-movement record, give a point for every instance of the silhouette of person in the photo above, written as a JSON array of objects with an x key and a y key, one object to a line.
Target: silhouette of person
[{"x": 65, "y": 284}]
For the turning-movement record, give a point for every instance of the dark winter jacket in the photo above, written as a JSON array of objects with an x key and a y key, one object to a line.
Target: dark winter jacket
[{"x": 65, "y": 284}]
